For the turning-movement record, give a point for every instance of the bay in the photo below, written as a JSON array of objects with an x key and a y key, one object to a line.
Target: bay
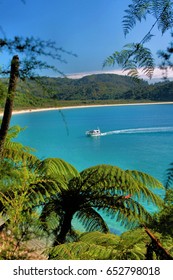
[{"x": 133, "y": 137}]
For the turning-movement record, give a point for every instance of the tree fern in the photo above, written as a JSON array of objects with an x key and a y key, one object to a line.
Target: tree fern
[
  {"x": 106, "y": 188},
  {"x": 135, "y": 12},
  {"x": 139, "y": 9},
  {"x": 169, "y": 177},
  {"x": 58, "y": 167},
  {"x": 91, "y": 220},
  {"x": 80, "y": 251},
  {"x": 16, "y": 151},
  {"x": 135, "y": 56},
  {"x": 132, "y": 58},
  {"x": 101, "y": 246}
]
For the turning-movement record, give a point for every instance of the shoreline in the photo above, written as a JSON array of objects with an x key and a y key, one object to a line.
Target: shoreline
[{"x": 16, "y": 112}]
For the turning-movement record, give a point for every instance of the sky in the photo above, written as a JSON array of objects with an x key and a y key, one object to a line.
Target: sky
[{"x": 92, "y": 29}]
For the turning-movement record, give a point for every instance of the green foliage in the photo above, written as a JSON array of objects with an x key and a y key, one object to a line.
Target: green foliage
[
  {"x": 169, "y": 177},
  {"x": 58, "y": 191},
  {"x": 32, "y": 51},
  {"x": 103, "y": 187},
  {"x": 132, "y": 58},
  {"x": 135, "y": 55},
  {"x": 161, "y": 10},
  {"x": 16, "y": 151},
  {"x": 131, "y": 245},
  {"x": 163, "y": 220},
  {"x": 101, "y": 246},
  {"x": 94, "y": 89},
  {"x": 3, "y": 92}
]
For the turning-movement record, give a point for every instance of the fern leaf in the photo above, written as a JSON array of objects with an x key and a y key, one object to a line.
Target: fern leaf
[
  {"x": 169, "y": 177},
  {"x": 135, "y": 12},
  {"x": 58, "y": 167},
  {"x": 92, "y": 220}
]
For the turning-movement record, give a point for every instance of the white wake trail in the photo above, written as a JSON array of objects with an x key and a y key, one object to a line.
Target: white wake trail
[{"x": 139, "y": 130}]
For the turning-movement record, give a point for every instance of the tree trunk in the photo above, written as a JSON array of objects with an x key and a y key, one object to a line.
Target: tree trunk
[
  {"x": 156, "y": 247},
  {"x": 65, "y": 228},
  {"x": 14, "y": 74}
]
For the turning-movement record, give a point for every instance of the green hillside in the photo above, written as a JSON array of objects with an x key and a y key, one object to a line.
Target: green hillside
[{"x": 93, "y": 89}]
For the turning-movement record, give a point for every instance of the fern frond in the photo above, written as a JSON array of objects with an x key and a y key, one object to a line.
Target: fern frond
[
  {"x": 56, "y": 167},
  {"x": 114, "y": 190},
  {"x": 115, "y": 181},
  {"x": 41, "y": 189},
  {"x": 19, "y": 153},
  {"x": 169, "y": 177},
  {"x": 132, "y": 58},
  {"x": 100, "y": 238},
  {"x": 162, "y": 10},
  {"x": 147, "y": 38},
  {"x": 14, "y": 131},
  {"x": 101, "y": 246},
  {"x": 135, "y": 12},
  {"x": 147, "y": 182},
  {"x": 91, "y": 220},
  {"x": 80, "y": 251}
]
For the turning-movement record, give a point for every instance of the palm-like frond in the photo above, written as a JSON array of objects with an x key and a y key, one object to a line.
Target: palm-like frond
[
  {"x": 117, "y": 192},
  {"x": 100, "y": 238},
  {"x": 57, "y": 168},
  {"x": 135, "y": 12},
  {"x": 169, "y": 177},
  {"x": 14, "y": 131},
  {"x": 132, "y": 58},
  {"x": 107, "y": 188},
  {"x": 139, "y": 9},
  {"x": 81, "y": 251},
  {"x": 41, "y": 189},
  {"x": 101, "y": 246},
  {"x": 130, "y": 214},
  {"x": 16, "y": 151},
  {"x": 162, "y": 10},
  {"x": 113, "y": 180},
  {"x": 135, "y": 56},
  {"x": 52, "y": 177},
  {"x": 91, "y": 220},
  {"x": 19, "y": 153},
  {"x": 50, "y": 215},
  {"x": 147, "y": 183}
]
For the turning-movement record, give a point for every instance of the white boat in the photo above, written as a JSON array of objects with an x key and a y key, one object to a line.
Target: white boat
[{"x": 94, "y": 132}]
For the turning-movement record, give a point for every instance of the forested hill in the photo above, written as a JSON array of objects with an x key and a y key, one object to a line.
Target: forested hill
[
  {"x": 45, "y": 91},
  {"x": 94, "y": 87}
]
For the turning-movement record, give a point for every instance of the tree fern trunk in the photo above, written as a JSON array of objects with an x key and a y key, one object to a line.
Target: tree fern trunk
[
  {"x": 65, "y": 228},
  {"x": 14, "y": 73},
  {"x": 157, "y": 247}
]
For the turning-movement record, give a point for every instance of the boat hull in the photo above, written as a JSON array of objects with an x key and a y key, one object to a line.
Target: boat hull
[{"x": 93, "y": 133}]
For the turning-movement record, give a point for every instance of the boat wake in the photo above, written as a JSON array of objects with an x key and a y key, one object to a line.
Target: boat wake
[{"x": 139, "y": 130}]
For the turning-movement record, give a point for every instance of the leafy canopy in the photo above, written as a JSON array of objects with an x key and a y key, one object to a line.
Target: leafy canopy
[
  {"x": 116, "y": 192},
  {"x": 136, "y": 56}
]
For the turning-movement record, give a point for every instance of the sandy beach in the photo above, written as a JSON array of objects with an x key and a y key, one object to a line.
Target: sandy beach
[{"x": 15, "y": 112}]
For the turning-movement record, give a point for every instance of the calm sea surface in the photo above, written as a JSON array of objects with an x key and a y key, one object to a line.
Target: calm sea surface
[{"x": 133, "y": 137}]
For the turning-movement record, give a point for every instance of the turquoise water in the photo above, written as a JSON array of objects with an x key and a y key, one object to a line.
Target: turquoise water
[{"x": 133, "y": 137}]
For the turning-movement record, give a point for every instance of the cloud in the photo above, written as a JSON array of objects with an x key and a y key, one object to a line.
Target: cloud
[{"x": 83, "y": 74}]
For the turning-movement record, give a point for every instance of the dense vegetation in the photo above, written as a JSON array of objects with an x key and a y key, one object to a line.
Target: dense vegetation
[
  {"x": 38, "y": 198},
  {"x": 94, "y": 89}
]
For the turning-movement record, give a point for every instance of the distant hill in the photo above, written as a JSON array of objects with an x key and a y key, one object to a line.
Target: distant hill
[
  {"x": 46, "y": 91},
  {"x": 94, "y": 87}
]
